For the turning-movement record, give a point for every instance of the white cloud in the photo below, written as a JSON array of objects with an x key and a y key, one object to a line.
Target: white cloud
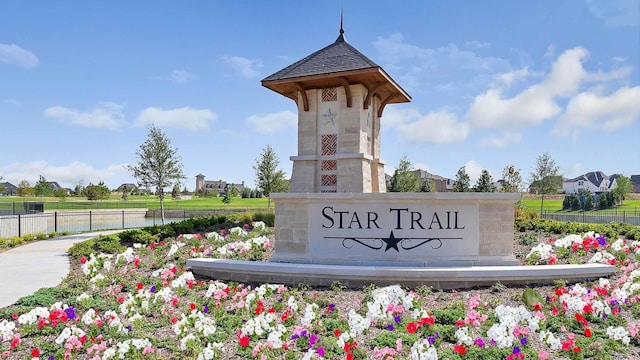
[
  {"x": 607, "y": 113},
  {"x": 67, "y": 175},
  {"x": 181, "y": 76},
  {"x": 420, "y": 166},
  {"x": 500, "y": 140},
  {"x": 15, "y": 55},
  {"x": 105, "y": 116},
  {"x": 244, "y": 67},
  {"x": 616, "y": 13},
  {"x": 474, "y": 170},
  {"x": 440, "y": 127},
  {"x": 13, "y": 102},
  {"x": 426, "y": 69},
  {"x": 273, "y": 122},
  {"x": 475, "y": 44},
  {"x": 534, "y": 104},
  {"x": 185, "y": 117},
  {"x": 508, "y": 78}
]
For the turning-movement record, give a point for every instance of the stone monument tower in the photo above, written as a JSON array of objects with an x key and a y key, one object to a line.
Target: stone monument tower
[{"x": 341, "y": 95}]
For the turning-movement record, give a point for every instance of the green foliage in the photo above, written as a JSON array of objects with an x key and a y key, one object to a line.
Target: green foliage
[
  {"x": 428, "y": 185},
  {"x": 137, "y": 236},
  {"x": 159, "y": 165},
  {"x": 404, "y": 179},
  {"x": 268, "y": 218},
  {"x": 97, "y": 192},
  {"x": 621, "y": 188},
  {"x": 44, "y": 297},
  {"x": 461, "y": 184},
  {"x": 498, "y": 287},
  {"x": 531, "y": 297},
  {"x": 268, "y": 178},
  {"x": 109, "y": 244},
  {"x": 42, "y": 187},
  {"x": 485, "y": 183},
  {"x": 512, "y": 181}
]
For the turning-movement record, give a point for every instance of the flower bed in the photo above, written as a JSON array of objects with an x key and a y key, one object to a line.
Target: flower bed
[{"x": 143, "y": 304}]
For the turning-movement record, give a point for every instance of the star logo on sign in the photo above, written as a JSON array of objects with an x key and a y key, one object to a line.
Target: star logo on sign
[
  {"x": 392, "y": 242},
  {"x": 330, "y": 116}
]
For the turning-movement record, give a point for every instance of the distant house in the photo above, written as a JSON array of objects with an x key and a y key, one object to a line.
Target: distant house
[
  {"x": 128, "y": 187},
  {"x": 441, "y": 184},
  {"x": 635, "y": 183},
  {"x": 55, "y": 187},
  {"x": 218, "y": 187},
  {"x": 9, "y": 189},
  {"x": 595, "y": 182}
]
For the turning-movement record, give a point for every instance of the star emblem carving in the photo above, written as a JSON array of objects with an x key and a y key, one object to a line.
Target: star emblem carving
[
  {"x": 392, "y": 242},
  {"x": 330, "y": 117}
]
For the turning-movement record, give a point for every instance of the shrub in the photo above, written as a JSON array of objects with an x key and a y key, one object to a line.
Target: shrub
[
  {"x": 81, "y": 249},
  {"x": 268, "y": 218},
  {"x": 44, "y": 297},
  {"x": 109, "y": 244},
  {"x": 15, "y": 241},
  {"x": 137, "y": 236}
]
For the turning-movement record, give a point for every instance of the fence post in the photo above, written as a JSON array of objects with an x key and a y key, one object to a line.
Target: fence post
[
  {"x": 123, "y": 219},
  {"x": 19, "y": 225},
  {"x": 55, "y": 221},
  {"x": 90, "y": 227}
]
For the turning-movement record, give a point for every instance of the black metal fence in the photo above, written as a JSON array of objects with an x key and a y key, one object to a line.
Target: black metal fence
[
  {"x": 620, "y": 216},
  {"x": 93, "y": 220}
]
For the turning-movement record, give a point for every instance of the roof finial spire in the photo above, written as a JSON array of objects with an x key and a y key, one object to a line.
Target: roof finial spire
[{"x": 341, "y": 36}]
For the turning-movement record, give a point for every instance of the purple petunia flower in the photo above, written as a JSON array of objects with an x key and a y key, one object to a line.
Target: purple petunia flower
[
  {"x": 129, "y": 328},
  {"x": 390, "y": 327},
  {"x": 431, "y": 340},
  {"x": 313, "y": 339},
  {"x": 516, "y": 349},
  {"x": 153, "y": 289},
  {"x": 294, "y": 336},
  {"x": 523, "y": 341},
  {"x": 397, "y": 319},
  {"x": 71, "y": 314},
  {"x": 602, "y": 240},
  {"x": 206, "y": 309},
  {"x": 479, "y": 342},
  {"x": 320, "y": 351}
]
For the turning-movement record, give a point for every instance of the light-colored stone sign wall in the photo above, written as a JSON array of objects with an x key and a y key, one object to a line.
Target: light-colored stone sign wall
[{"x": 395, "y": 229}]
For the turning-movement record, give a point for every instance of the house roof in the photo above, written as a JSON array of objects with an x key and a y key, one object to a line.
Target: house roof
[
  {"x": 332, "y": 66},
  {"x": 594, "y": 177}
]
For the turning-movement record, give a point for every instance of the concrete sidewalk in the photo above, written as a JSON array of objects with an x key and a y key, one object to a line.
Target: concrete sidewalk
[{"x": 40, "y": 264}]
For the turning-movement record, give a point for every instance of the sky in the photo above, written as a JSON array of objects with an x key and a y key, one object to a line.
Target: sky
[{"x": 493, "y": 83}]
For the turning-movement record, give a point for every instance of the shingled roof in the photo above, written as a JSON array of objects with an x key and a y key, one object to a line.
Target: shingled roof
[
  {"x": 332, "y": 66},
  {"x": 339, "y": 56}
]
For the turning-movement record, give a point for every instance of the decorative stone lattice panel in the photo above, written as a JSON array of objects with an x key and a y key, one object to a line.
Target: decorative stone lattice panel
[
  {"x": 329, "y": 180},
  {"x": 329, "y": 144},
  {"x": 329, "y": 94},
  {"x": 328, "y": 165}
]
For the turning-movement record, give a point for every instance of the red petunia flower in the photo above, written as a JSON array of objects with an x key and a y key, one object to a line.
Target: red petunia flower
[
  {"x": 460, "y": 349},
  {"x": 411, "y": 327},
  {"x": 244, "y": 341}
]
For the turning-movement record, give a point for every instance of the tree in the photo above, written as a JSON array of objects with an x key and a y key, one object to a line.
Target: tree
[
  {"x": 404, "y": 179},
  {"x": 268, "y": 179},
  {"x": 175, "y": 192},
  {"x": 545, "y": 177},
  {"x": 98, "y": 192},
  {"x": 79, "y": 190},
  {"x": 622, "y": 188},
  {"x": 3, "y": 188},
  {"x": 158, "y": 164},
  {"x": 512, "y": 181},
  {"x": 61, "y": 194},
  {"x": 428, "y": 185},
  {"x": 42, "y": 187},
  {"x": 25, "y": 189},
  {"x": 461, "y": 184},
  {"x": 485, "y": 183}
]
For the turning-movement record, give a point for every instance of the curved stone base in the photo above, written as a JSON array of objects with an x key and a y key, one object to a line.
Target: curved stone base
[{"x": 355, "y": 276}]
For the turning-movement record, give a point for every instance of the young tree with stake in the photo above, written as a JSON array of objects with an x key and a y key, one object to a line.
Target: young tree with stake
[{"x": 159, "y": 165}]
